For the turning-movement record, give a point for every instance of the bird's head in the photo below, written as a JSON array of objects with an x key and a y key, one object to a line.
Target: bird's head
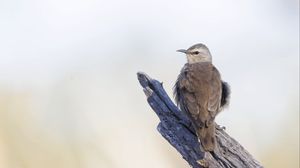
[{"x": 197, "y": 53}]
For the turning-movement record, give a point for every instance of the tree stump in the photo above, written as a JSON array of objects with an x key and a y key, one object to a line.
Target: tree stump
[{"x": 176, "y": 128}]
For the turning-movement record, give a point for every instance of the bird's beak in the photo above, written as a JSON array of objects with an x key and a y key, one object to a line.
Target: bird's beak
[{"x": 182, "y": 50}]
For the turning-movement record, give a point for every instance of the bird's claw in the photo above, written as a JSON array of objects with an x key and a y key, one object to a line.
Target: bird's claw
[
  {"x": 202, "y": 162},
  {"x": 220, "y": 127}
]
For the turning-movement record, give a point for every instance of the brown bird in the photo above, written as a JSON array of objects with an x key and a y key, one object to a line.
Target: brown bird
[{"x": 201, "y": 94}]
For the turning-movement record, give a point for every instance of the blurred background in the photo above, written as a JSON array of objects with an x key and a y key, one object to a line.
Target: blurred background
[{"x": 69, "y": 97}]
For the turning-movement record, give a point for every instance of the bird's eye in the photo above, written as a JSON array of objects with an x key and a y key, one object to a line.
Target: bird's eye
[{"x": 196, "y": 52}]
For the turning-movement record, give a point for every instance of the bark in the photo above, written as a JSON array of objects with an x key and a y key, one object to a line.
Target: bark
[{"x": 176, "y": 128}]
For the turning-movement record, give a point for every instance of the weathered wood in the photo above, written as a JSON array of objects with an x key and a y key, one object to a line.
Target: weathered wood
[{"x": 176, "y": 128}]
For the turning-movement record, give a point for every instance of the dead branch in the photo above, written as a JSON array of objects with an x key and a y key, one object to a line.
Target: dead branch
[{"x": 176, "y": 128}]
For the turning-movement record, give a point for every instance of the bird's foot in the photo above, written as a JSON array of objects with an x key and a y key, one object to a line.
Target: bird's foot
[
  {"x": 223, "y": 128},
  {"x": 202, "y": 162}
]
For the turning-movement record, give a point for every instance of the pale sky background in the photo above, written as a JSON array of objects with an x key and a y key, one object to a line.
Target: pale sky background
[{"x": 69, "y": 96}]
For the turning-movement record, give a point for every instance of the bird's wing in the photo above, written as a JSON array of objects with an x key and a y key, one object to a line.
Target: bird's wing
[
  {"x": 191, "y": 98},
  {"x": 184, "y": 95},
  {"x": 196, "y": 91},
  {"x": 177, "y": 89},
  {"x": 215, "y": 93}
]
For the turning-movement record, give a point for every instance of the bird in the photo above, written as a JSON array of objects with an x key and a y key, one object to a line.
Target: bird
[{"x": 201, "y": 94}]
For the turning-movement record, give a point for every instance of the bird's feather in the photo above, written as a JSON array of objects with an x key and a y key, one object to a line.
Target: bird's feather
[
  {"x": 198, "y": 92},
  {"x": 225, "y": 94}
]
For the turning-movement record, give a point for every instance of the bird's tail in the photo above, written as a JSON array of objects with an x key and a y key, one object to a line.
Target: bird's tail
[{"x": 207, "y": 137}]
